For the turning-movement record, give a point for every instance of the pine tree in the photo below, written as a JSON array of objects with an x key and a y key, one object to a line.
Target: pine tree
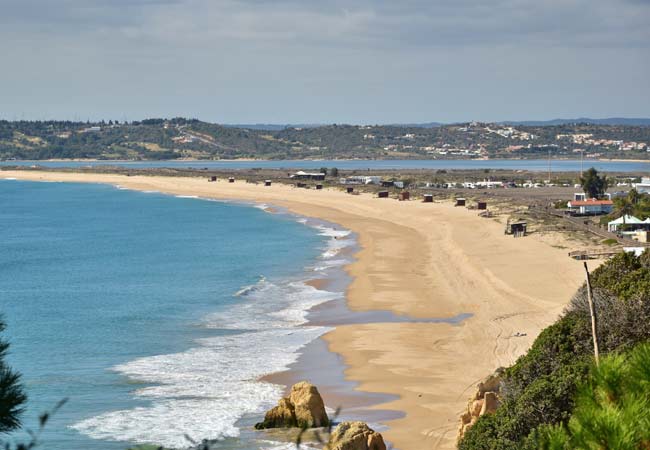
[{"x": 12, "y": 395}]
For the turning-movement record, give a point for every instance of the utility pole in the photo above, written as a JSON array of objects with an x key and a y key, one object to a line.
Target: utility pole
[
  {"x": 549, "y": 165},
  {"x": 592, "y": 312},
  {"x": 582, "y": 153}
]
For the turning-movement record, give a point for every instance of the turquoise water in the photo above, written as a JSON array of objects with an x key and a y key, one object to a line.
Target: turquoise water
[
  {"x": 154, "y": 315},
  {"x": 534, "y": 165}
]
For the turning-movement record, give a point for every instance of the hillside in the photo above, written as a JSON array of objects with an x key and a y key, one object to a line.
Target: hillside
[{"x": 157, "y": 139}]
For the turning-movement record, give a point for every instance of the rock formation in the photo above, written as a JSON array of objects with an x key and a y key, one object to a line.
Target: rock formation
[
  {"x": 484, "y": 401},
  {"x": 355, "y": 436},
  {"x": 303, "y": 408}
]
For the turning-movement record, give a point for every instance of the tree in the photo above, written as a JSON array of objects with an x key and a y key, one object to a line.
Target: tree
[
  {"x": 12, "y": 396},
  {"x": 623, "y": 207},
  {"x": 593, "y": 184},
  {"x": 612, "y": 408}
]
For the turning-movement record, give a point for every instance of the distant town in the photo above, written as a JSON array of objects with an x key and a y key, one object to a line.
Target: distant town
[{"x": 179, "y": 138}]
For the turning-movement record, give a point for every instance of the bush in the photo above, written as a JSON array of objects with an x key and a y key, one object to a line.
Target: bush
[
  {"x": 543, "y": 387},
  {"x": 612, "y": 407}
]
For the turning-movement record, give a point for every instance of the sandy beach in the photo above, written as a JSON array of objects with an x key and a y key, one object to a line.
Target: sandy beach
[{"x": 425, "y": 261}]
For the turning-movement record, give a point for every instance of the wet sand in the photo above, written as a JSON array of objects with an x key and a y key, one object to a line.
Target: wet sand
[{"x": 420, "y": 261}]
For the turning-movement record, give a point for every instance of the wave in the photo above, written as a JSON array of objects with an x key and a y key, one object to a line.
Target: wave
[
  {"x": 339, "y": 240},
  {"x": 205, "y": 390}
]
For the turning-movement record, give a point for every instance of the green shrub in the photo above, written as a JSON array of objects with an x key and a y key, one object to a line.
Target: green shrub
[{"x": 541, "y": 389}]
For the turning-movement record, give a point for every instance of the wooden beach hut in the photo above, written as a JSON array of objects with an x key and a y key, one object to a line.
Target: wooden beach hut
[
  {"x": 428, "y": 198},
  {"x": 460, "y": 201},
  {"x": 517, "y": 228},
  {"x": 404, "y": 196},
  {"x": 382, "y": 194},
  {"x": 267, "y": 182},
  {"x": 349, "y": 190},
  {"x": 231, "y": 180},
  {"x": 481, "y": 205},
  {"x": 212, "y": 178},
  {"x": 319, "y": 186}
]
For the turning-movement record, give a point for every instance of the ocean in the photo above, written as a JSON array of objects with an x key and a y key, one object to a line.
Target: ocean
[{"x": 154, "y": 315}]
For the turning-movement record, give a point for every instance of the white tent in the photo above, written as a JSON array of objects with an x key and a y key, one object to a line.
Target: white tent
[{"x": 624, "y": 220}]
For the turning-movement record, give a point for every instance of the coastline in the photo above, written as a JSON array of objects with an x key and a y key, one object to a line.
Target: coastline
[{"x": 423, "y": 261}]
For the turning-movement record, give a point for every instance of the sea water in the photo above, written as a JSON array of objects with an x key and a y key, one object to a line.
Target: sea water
[{"x": 155, "y": 316}]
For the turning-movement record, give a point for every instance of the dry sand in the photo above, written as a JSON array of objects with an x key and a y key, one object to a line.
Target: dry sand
[{"x": 423, "y": 260}]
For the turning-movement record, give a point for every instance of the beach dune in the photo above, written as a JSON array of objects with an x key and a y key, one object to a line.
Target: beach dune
[{"x": 421, "y": 260}]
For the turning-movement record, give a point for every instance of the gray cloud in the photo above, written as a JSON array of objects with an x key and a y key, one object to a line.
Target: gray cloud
[{"x": 308, "y": 60}]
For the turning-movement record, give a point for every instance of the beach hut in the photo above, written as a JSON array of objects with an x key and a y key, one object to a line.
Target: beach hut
[
  {"x": 319, "y": 186},
  {"x": 517, "y": 228},
  {"x": 267, "y": 182},
  {"x": 212, "y": 178},
  {"x": 481, "y": 205},
  {"x": 349, "y": 190},
  {"x": 404, "y": 196},
  {"x": 382, "y": 194},
  {"x": 231, "y": 180},
  {"x": 428, "y": 198},
  {"x": 460, "y": 202}
]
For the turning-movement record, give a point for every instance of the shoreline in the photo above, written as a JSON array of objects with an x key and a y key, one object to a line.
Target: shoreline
[{"x": 421, "y": 261}]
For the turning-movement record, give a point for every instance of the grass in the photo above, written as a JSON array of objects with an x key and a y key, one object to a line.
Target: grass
[{"x": 610, "y": 242}]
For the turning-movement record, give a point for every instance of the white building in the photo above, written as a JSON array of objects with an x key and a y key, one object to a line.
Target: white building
[
  {"x": 644, "y": 186},
  {"x": 371, "y": 179},
  {"x": 614, "y": 225},
  {"x": 590, "y": 207}
]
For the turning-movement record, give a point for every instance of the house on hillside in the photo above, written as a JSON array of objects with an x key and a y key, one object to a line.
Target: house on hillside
[{"x": 590, "y": 207}]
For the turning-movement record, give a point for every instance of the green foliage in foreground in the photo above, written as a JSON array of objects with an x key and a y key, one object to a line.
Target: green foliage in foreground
[
  {"x": 12, "y": 396},
  {"x": 541, "y": 388},
  {"x": 612, "y": 408}
]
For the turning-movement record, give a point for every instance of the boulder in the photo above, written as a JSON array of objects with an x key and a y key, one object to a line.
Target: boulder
[
  {"x": 281, "y": 416},
  {"x": 308, "y": 405},
  {"x": 355, "y": 436},
  {"x": 303, "y": 408}
]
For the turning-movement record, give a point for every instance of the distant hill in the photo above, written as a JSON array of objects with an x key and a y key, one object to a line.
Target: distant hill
[
  {"x": 164, "y": 139},
  {"x": 628, "y": 121},
  {"x": 638, "y": 122}
]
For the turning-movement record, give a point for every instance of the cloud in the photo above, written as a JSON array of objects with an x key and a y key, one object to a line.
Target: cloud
[
  {"x": 325, "y": 60},
  {"x": 407, "y": 23}
]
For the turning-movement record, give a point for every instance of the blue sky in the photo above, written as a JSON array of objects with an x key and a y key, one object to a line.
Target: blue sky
[{"x": 325, "y": 61}]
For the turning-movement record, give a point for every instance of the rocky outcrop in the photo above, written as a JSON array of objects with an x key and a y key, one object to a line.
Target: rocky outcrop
[
  {"x": 308, "y": 405},
  {"x": 484, "y": 401},
  {"x": 303, "y": 408},
  {"x": 355, "y": 436}
]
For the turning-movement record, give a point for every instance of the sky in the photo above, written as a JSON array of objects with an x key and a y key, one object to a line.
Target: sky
[{"x": 324, "y": 61}]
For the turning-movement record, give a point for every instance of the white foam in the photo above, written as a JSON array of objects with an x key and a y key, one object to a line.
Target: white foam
[
  {"x": 339, "y": 239},
  {"x": 268, "y": 305},
  {"x": 187, "y": 196},
  {"x": 9, "y": 178},
  {"x": 204, "y": 391}
]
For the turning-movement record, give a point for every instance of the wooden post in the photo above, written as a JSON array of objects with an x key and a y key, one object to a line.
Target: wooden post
[{"x": 592, "y": 312}]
